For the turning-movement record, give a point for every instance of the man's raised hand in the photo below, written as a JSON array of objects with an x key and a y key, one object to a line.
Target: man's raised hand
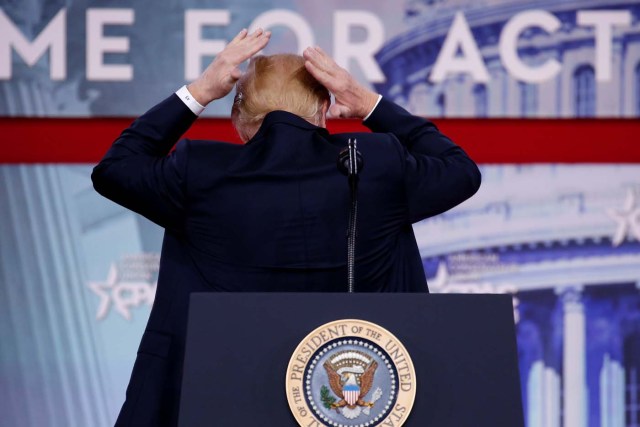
[
  {"x": 221, "y": 75},
  {"x": 352, "y": 98}
]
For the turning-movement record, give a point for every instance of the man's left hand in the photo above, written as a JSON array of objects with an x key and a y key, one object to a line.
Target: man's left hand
[{"x": 221, "y": 75}]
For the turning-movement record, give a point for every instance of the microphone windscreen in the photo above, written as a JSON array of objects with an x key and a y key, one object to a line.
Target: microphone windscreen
[{"x": 343, "y": 161}]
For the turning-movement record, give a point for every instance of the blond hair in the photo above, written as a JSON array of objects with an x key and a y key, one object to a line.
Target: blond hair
[{"x": 276, "y": 82}]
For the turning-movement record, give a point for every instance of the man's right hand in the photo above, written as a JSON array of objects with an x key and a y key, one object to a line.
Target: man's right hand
[{"x": 352, "y": 98}]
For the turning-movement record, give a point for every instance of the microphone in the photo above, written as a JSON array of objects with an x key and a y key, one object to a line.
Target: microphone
[
  {"x": 350, "y": 163},
  {"x": 345, "y": 162}
]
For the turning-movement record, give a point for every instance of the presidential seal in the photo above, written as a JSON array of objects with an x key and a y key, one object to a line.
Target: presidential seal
[{"x": 350, "y": 373}]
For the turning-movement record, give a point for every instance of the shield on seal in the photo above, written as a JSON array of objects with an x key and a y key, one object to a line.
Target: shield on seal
[{"x": 351, "y": 393}]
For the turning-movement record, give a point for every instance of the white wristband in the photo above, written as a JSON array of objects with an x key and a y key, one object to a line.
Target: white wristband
[{"x": 188, "y": 99}]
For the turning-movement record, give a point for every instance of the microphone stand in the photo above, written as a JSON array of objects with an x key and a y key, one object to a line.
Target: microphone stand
[{"x": 350, "y": 162}]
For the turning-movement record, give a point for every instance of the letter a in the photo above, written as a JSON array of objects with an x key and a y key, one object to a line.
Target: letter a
[{"x": 470, "y": 62}]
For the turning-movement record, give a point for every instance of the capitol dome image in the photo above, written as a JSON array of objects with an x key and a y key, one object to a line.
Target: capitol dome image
[{"x": 575, "y": 88}]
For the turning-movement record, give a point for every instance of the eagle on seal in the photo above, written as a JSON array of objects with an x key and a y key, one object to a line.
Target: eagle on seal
[{"x": 350, "y": 387}]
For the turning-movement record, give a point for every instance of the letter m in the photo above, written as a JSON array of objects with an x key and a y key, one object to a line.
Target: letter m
[{"x": 53, "y": 37}]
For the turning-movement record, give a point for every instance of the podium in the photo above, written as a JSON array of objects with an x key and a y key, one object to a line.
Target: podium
[{"x": 462, "y": 346}]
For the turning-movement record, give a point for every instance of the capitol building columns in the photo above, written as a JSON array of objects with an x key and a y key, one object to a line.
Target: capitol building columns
[
  {"x": 543, "y": 391},
  {"x": 574, "y": 357}
]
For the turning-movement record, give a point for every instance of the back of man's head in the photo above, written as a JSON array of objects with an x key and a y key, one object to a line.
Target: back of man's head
[{"x": 277, "y": 82}]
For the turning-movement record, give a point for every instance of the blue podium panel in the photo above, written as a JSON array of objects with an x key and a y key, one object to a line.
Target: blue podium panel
[{"x": 462, "y": 346}]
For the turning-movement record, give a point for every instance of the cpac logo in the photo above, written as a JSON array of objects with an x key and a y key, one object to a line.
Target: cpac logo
[{"x": 125, "y": 289}]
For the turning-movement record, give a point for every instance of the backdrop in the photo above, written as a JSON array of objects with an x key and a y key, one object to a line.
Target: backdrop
[{"x": 556, "y": 223}]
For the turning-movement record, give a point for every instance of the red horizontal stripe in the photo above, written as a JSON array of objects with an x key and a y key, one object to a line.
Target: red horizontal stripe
[{"x": 48, "y": 140}]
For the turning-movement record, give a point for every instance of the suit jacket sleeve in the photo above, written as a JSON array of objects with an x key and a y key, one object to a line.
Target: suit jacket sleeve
[
  {"x": 139, "y": 173},
  {"x": 438, "y": 174}
]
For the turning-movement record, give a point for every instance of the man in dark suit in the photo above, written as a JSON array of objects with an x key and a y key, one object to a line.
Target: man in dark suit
[{"x": 271, "y": 215}]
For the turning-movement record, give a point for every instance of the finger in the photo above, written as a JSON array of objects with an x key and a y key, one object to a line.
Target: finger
[
  {"x": 263, "y": 38},
  {"x": 321, "y": 75},
  {"x": 236, "y": 74},
  {"x": 322, "y": 55},
  {"x": 338, "y": 110},
  {"x": 317, "y": 67},
  {"x": 325, "y": 62},
  {"x": 248, "y": 47},
  {"x": 316, "y": 50},
  {"x": 310, "y": 54},
  {"x": 241, "y": 35},
  {"x": 258, "y": 44},
  {"x": 257, "y": 39},
  {"x": 257, "y": 33}
]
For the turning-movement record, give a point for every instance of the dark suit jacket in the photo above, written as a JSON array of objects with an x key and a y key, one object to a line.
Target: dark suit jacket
[{"x": 270, "y": 216}]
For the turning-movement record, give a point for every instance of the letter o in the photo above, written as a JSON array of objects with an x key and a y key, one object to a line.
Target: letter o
[{"x": 289, "y": 19}]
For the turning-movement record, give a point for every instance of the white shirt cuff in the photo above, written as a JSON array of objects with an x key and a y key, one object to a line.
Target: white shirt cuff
[
  {"x": 188, "y": 99},
  {"x": 373, "y": 109}
]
